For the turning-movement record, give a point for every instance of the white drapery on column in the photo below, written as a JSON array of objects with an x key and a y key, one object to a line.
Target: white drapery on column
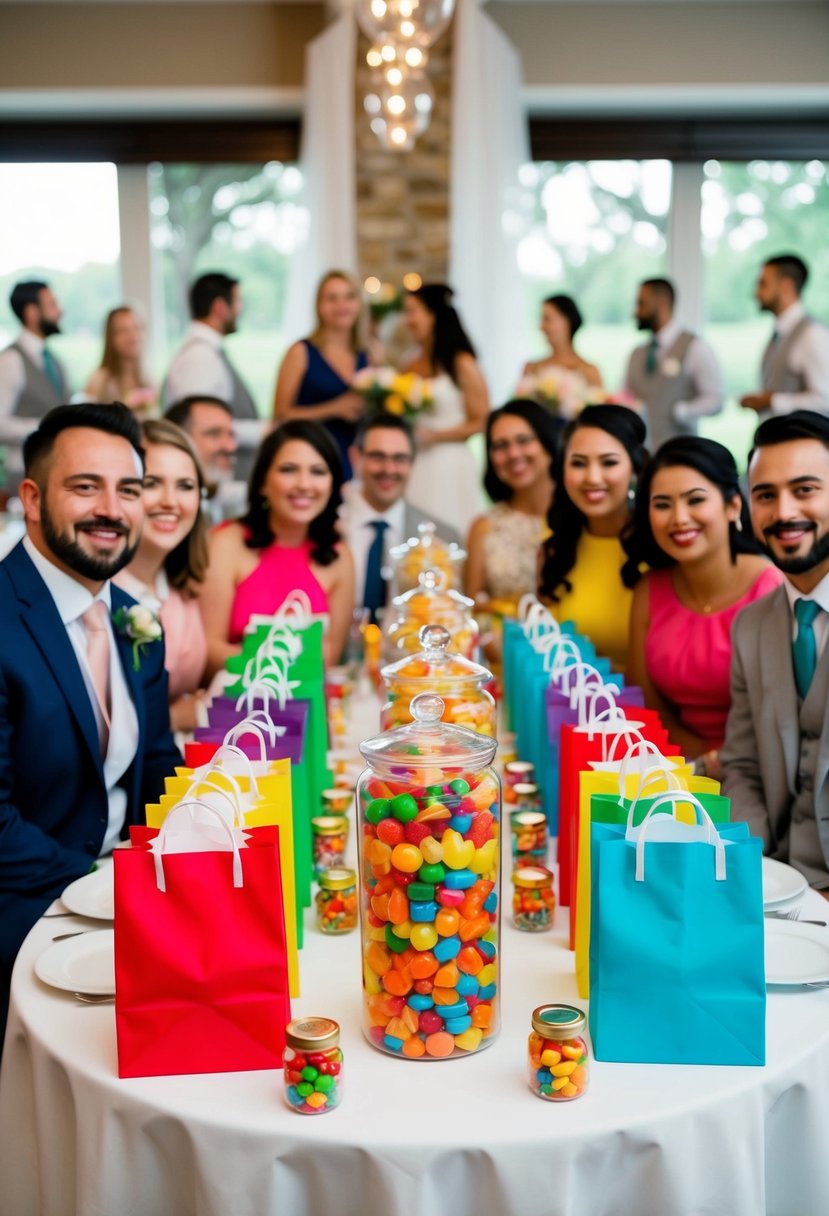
[
  {"x": 327, "y": 164},
  {"x": 489, "y": 144}
]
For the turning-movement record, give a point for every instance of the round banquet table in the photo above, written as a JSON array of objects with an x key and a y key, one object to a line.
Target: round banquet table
[{"x": 438, "y": 1138}]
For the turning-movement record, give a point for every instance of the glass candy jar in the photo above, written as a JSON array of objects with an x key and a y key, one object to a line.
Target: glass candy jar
[
  {"x": 459, "y": 683},
  {"x": 528, "y": 830},
  {"x": 329, "y": 837},
  {"x": 312, "y": 1065},
  {"x": 557, "y": 1063},
  {"x": 337, "y": 900},
  {"x": 426, "y": 551},
  {"x": 533, "y": 898},
  {"x": 430, "y": 603},
  {"x": 430, "y": 816}
]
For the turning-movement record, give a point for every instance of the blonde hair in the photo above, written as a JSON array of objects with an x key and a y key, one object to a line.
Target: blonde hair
[
  {"x": 358, "y": 331},
  {"x": 111, "y": 361},
  {"x": 187, "y": 564}
]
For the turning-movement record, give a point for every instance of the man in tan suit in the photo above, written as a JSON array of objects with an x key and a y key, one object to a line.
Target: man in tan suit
[{"x": 776, "y": 751}]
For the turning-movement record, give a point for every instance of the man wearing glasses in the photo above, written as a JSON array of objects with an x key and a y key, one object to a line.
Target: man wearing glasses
[{"x": 376, "y": 516}]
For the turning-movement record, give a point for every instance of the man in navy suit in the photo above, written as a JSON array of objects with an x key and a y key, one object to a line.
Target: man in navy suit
[{"x": 84, "y": 737}]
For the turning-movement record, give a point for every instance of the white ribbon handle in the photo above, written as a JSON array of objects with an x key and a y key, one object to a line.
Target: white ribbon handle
[
  {"x": 539, "y": 620},
  {"x": 202, "y": 780},
  {"x": 157, "y": 845},
  {"x": 251, "y": 726},
  {"x": 265, "y": 688},
  {"x": 525, "y": 604},
  {"x": 559, "y": 653},
  {"x": 674, "y": 796},
  {"x": 639, "y": 748},
  {"x": 229, "y": 750}
]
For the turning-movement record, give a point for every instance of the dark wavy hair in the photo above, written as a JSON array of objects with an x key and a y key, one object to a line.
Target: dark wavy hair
[
  {"x": 449, "y": 338},
  {"x": 544, "y": 425},
  {"x": 322, "y": 531},
  {"x": 713, "y": 462},
  {"x": 565, "y": 520},
  {"x": 566, "y": 305}
]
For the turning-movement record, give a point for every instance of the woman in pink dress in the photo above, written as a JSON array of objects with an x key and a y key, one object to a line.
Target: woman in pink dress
[
  {"x": 166, "y": 573},
  {"x": 288, "y": 540},
  {"x": 692, "y": 530}
]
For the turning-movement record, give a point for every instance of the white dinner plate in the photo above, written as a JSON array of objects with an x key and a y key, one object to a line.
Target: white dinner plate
[
  {"x": 93, "y": 895},
  {"x": 782, "y": 884},
  {"x": 796, "y": 954},
  {"x": 85, "y": 963}
]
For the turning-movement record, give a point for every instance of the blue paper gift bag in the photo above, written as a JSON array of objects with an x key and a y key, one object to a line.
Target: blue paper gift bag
[{"x": 676, "y": 942}]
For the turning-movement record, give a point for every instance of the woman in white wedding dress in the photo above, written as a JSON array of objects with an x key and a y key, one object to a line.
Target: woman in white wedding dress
[{"x": 445, "y": 480}]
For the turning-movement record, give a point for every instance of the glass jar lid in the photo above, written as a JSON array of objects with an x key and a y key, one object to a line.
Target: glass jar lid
[
  {"x": 434, "y": 662},
  {"x": 532, "y": 877},
  {"x": 312, "y": 1034},
  {"x": 338, "y": 878},
  {"x": 521, "y": 820},
  {"x": 427, "y": 743},
  {"x": 558, "y": 1021},
  {"x": 433, "y": 585}
]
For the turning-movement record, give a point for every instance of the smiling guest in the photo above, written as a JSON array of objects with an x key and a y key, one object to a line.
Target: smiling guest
[
  {"x": 582, "y": 558},
  {"x": 86, "y": 739},
  {"x": 171, "y": 562},
  {"x": 502, "y": 548},
  {"x": 776, "y": 752},
  {"x": 692, "y": 529},
  {"x": 287, "y": 540},
  {"x": 376, "y": 516}
]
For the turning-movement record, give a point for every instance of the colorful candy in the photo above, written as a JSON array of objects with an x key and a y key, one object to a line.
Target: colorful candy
[
  {"x": 533, "y": 899},
  {"x": 528, "y": 830},
  {"x": 459, "y": 683},
  {"x": 329, "y": 836},
  {"x": 557, "y": 1053},
  {"x": 337, "y": 900},
  {"x": 517, "y": 772},
  {"x": 430, "y": 603},
  {"x": 429, "y": 898},
  {"x": 312, "y": 1065}
]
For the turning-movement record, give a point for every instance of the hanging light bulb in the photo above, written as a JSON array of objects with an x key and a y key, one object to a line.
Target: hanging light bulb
[
  {"x": 374, "y": 59},
  {"x": 394, "y": 76},
  {"x": 404, "y": 20}
]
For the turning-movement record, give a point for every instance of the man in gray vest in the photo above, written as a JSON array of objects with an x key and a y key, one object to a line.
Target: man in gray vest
[
  {"x": 201, "y": 367},
  {"x": 32, "y": 381},
  {"x": 795, "y": 366},
  {"x": 776, "y": 750},
  {"x": 676, "y": 374}
]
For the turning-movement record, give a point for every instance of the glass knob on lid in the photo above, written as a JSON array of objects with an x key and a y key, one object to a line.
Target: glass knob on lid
[
  {"x": 432, "y": 580},
  {"x": 427, "y": 708},
  {"x": 435, "y": 638}
]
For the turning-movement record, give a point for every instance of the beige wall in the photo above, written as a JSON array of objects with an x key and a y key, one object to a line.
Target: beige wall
[
  {"x": 110, "y": 46},
  {"x": 671, "y": 44}
]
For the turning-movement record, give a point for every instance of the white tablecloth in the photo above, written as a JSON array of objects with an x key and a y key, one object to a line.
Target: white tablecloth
[{"x": 414, "y": 1138}]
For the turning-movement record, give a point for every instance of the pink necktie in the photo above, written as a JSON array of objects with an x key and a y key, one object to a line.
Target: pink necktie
[{"x": 97, "y": 654}]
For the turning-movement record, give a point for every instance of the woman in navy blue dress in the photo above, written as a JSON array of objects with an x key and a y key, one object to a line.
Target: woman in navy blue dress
[{"x": 316, "y": 374}]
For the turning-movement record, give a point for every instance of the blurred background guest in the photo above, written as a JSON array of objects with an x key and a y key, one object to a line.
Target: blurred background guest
[
  {"x": 314, "y": 381},
  {"x": 692, "y": 528},
  {"x": 582, "y": 558},
  {"x": 287, "y": 540},
  {"x": 502, "y": 548},
  {"x": 560, "y": 322},
  {"x": 167, "y": 572},
  {"x": 445, "y": 479},
  {"x": 121, "y": 376},
  {"x": 211, "y": 426}
]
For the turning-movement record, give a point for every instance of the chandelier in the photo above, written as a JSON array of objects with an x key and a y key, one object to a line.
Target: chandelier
[{"x": 400, "y": 99}]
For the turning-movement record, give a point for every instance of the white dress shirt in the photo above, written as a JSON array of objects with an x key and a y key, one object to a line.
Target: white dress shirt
[
  {"x": 357, "y": 517},
  {"x": 13, "y": 382},
  {"x": 197, "y": 367},
  {"x": 702, "y": 366},
  {"x": 821, "y": 623},
  {"x": 809, "y": 358},
  {"x": 71, "y": 600}
]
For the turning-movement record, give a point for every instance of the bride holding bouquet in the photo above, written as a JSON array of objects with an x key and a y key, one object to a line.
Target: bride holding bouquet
[{"x": 562, "y": 381}]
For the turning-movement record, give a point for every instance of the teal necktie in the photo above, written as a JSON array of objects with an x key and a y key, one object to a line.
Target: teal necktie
[
  {"x": 374, "y": 597},
  {"x": 652, "y": 357},
  {"x": 50, "y": 367},
  {"x": 804, "y": 647}
]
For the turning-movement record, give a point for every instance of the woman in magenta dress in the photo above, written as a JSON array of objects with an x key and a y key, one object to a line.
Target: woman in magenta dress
[
  {"x": 692, "y": 530},
  {"x": 287, "y": 541},
  {"x": 316, "y": 374}
]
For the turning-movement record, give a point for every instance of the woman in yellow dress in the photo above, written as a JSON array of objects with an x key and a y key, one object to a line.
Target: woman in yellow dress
[{"x": 581, "y": 560}]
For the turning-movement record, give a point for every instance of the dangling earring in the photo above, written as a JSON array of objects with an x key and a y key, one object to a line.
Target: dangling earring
[
  {"x": 738, "y": 524},
  {"x": 632, "y": 492}
]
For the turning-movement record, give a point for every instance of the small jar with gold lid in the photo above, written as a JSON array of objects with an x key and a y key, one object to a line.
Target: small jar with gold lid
[
  {"x": 312, "y": 1065},
  {"x": 329, "y": 836},
  {"x": 557, "y": 1059},
  {"x": 337, "y": 900},
  {"x": 529, "y": 837},
  {"x": 533, "y": 898}
]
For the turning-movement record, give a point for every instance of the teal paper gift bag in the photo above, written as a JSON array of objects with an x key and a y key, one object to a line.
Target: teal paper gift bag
[{"x": 676, "y": 942}]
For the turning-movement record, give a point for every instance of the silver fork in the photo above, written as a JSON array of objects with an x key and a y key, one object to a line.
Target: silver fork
[{"x": 793, "y": 914}]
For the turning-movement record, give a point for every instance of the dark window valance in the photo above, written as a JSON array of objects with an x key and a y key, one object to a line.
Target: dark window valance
[{"x": 134, "y": 143}]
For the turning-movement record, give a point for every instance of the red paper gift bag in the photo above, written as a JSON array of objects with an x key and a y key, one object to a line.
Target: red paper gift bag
[{"x": 201, "y": 974}]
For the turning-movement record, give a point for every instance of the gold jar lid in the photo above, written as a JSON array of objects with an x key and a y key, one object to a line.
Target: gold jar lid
[
  {"x": 533, "y": 877},
  {"x": 312, "y": 1034},
  {"x": 338, "y": 878},
  {"x": 558, "y": 1021},
  {"x": 521, "y": 820},
  {"x": 336, "y": 801},
  {"x": 329, "y": 825},
  {"x": 522, "y": 769},
  {"x": 525, "y": 789}
]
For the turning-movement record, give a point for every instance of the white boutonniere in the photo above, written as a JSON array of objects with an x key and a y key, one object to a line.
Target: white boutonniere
[
  {"x": 139, "y": 626},
  {"x": 671, "y": 367}
]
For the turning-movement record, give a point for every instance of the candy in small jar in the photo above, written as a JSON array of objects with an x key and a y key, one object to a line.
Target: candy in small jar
[
  {"x": 337, "y": 900},
  {"x": 460, "y": 683},
  {"x": 533, "y": 898},
  {"x": 426, "y": 551},
  {"x": 312, "y": 1065},
  {"x": 557, "y": 1064},
  {"x": 336, "y": 801},
  {"x": 430, "y": 604},
  {"x": 329, "y": 836},
  {"x": 528, "y": 830},
  {"x": 517, "y": 772},
  {"x": 429, "y": 812}
]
